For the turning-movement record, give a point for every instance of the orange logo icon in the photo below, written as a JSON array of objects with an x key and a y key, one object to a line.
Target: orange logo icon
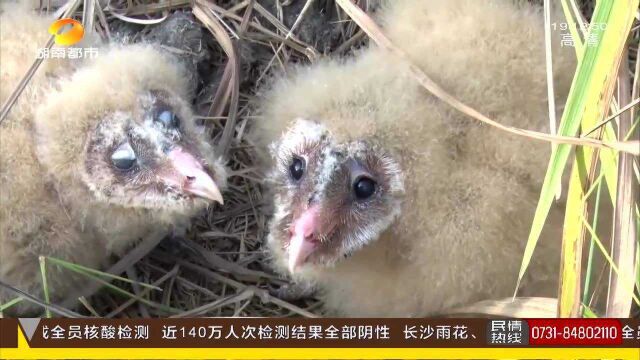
[{"x": 70, "y": 37}]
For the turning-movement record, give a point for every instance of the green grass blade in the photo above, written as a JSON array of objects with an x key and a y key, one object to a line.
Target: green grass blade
[
  {"x": 100, "y": 276},
  {"x": 130, "y": 295},
  {"x": 573, "y": 235},
  {"x": 609, "y": 163},
  {"x": 45, "y": 286},
  {"x": 89, "y": 271},
  {"x": 587, "y": 312},
  {"x": 589, "y": 97},
  {"x": 9, "y": 304},
  {"x": 573, "y": 29},
  {"x": 592, "y": 244},
  {"x": 614, "y": 267}
]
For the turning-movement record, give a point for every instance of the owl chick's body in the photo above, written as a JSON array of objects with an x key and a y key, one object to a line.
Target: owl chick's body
[
  {"x": 61, "y": 193},
  {"x": 454, "y": 199}
]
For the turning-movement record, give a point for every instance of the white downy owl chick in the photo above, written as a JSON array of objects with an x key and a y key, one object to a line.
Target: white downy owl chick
[
  {"x": 391, "y": 203},
  {"x": 95, "y": 154}
]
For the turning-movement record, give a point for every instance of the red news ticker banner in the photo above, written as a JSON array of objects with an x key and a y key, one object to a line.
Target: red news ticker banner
[{"x": 320, "y": 333}]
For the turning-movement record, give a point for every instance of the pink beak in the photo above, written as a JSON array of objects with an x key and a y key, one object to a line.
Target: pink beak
[
  {"x": 189, "y": 175},
  {"x": 303, "y": 242}
]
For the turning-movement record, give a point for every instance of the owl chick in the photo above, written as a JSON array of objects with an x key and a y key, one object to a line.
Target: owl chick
[
  {"x": 389, "y": 202},
  {"x": 95, "y": 154}
]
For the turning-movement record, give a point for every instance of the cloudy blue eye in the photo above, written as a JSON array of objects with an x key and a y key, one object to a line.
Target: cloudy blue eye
[
  {"x": 123, "y": 158},
  {"x": 167, "y": 118}
]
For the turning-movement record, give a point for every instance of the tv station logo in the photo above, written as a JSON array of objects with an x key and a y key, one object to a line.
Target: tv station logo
[
  {"x": 70, "y": 37},
  {"x": 67, "y": 32}
]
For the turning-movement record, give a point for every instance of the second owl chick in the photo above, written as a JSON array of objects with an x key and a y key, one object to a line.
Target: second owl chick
[{"x": 390, "y": 202}]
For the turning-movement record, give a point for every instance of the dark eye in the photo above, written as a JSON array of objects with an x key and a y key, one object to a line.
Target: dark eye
[
  {"x": 124, "y": 158},
  {"x": 364, "y": 187},
  {"x": 296, "y": 168},
  {"x": 167, "y": 118}
]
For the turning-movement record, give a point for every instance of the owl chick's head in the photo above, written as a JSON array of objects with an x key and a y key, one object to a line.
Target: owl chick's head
[
  {"x": 331, "y": 198},
  {"x": 121, "y": 127}
]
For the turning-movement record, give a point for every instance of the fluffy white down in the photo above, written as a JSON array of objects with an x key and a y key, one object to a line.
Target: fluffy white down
[{"x": 471, "y": 190}]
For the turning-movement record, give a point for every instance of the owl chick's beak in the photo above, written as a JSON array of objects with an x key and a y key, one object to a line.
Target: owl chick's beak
[
  {"x": 189, "y": 175},
  {"x": 303, "y": 241}
]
